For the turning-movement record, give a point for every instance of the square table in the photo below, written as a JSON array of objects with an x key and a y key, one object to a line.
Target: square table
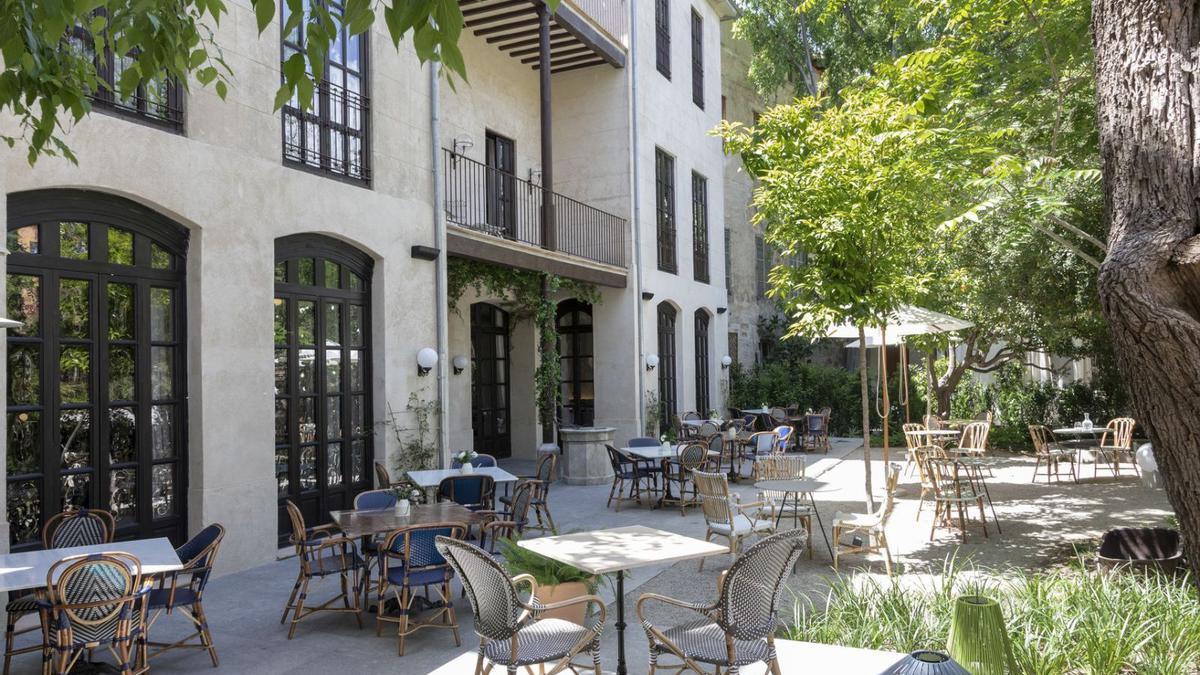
[
  {"x": 617, "y": 550},
  {"x": 368, "y": 522},
  {"x": 797, "y": 487},
  {"x": 429, "y": 479},
  {"x": 28, "y": 570}
]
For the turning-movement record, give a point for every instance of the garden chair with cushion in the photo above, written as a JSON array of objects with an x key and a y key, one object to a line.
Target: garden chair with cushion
[
  {"x": 739, "y": 628},
  {"x": 954, "y": 493},
  {"x": 724, "y": 515},
  {"x": 95, "y": 601},
  {"x": 627, "y": 470},
  {"x": 785, "y": 438},
  {"x": 1116, "y": 446},
  {"x": 477, "y": 492},
  {"x": 323, "y": 553},
  {"x": 76, "y": 527},
  {"x": 408, "y": 560},
  {"x": 1051, "y": 453},
  {"x": 816, "y": 432},
  {"x": 867, "y": 531},
  {"x": 184, "y": 590},
  {"x": 760, "y": 445},
  {"x": 544, "y": 475},
  {"x": 514, "y": 634},
  {"x": 692, "y": 456}
]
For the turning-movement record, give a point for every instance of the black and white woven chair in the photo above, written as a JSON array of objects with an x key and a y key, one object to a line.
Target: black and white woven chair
[
  {"x": 725, "y": 516},
  {"x": 739, "y": 629},
  {"x": 512, "y": 633},
  {"x": 78, "y": 527}
]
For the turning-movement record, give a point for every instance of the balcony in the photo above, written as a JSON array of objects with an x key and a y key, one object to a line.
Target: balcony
[
  {"x": 497, "y": 217},
  {"x": 583, "y": 33}
]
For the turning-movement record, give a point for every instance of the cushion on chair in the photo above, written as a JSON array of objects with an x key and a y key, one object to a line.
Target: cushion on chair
[
  {"x": 333, "y": 563},
  {"x": 742, "y": 525},
  {"x": 542, "y": 641},
  {"x": 183, "y": 596},
  {"x": 704, "y": 641},
  {"x": 421, "y": 578},
  {"x": 855, "y": 519}
]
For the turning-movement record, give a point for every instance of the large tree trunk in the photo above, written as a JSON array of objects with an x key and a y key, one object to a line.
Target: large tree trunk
[{"x": 1148, "y": 103}]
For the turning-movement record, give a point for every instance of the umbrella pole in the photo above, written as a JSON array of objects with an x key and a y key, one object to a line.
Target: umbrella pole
[
  {"x": 886, "y": 403},
  {"x": 866, "y": 412}
]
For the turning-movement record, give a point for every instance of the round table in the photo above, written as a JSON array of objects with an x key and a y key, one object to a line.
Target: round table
[{"x": 795, "y": 487}]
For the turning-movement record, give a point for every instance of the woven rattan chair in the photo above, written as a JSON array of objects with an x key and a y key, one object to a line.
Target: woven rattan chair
[
  {"x": 921, "y": 456},
  {"x": 913, "y": 439},
  {"x": 627, "y": 471},
  {"x": 724, "y": 515},
  {"x": 871, "y": 528},
  {"x": 373, "y": 500},
  {"x": 408, "y": 560},
  {"x": 954, "y": 492},
  {"x": 1050, "y": 453},
  {"x": 778, "y": 415},
  {"x": 184, "y": 591},
  {"x": 775, "y": 505},
  {"x": 816, "y": 432},
  {"x": 761, "y": 444},
  {"x": 1116, "y": 446},
  {"x": 513, "y": 634},
  {"x": 383, "y": 479},
  {"x": 482, "y": 460},
  {"x": 95, "y": 601},
  {"x": 692, "y": 456},
  {"x": 322, "y": 554},
  {"x": 973, "y": 441},
  {"x": 77, "y": 527},
  {"x": 739, "y": 628},
  {"x": 785, "y": 438},
  {"x": 512, "y": 522},
  {"x": 474, "y": 491},
  {"x": 933, "y": 422},
  {"x": 544, "y": 475}
]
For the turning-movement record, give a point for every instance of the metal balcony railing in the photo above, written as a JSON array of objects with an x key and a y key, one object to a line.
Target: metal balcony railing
[{"x": 497, "y": 203}]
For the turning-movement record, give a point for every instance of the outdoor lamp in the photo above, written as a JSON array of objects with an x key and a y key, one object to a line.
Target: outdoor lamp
[
  {"x": 726, "y": 361},
  {"x": 427, "y": 358},
  {"x": 460, "y": 364},
  {"x": 651, "y": 361},
  {"x": 927, "y": 662},
  {"x": 9, "y": 323}
]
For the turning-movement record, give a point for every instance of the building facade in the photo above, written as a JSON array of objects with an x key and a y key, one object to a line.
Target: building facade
[{"x": 222, "y": 303}]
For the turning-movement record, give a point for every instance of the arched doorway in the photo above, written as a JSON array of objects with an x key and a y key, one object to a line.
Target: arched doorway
[
  {"x": 97, "y": 384},
  {"x": 576, "y": 378},
  {"x": 490, "y": 407},
  {"x": 323, "y": 426}
]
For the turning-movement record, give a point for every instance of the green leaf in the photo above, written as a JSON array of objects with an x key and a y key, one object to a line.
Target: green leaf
[{"x": 264, "y": 11}]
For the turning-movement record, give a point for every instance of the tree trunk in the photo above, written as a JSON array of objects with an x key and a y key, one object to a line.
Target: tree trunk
[
  {"x": 865, "y": 385},
  {"x": 1148, "y": 104}
]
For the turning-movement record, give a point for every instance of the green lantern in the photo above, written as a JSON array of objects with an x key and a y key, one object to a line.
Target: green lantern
[{"x": 978, "y": 640}]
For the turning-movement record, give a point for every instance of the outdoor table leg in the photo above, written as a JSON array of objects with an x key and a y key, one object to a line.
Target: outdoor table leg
[
  {"x": 988, "y": 495},
  {"x": 820, "y": 525},
  {"x": 621, "y": 670}
]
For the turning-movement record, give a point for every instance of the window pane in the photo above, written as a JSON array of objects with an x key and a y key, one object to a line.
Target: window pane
[
  {"x": 358, "y": 425},
  {"x": 74, "y": 304},
  {"x": 123, "y": 495},
  {"x": 24, "y": 511},
  {"x": 356, "y": 370},
  {"x": 306, "y": 422},
  {"x": 307, "y": 271},
  {"x": 73, "y": 240},
  {"x": 281, "y": 420},
  {"x": 281, "y": 268},
  {"x": 75, "y": 368},
  {"x": 160, "y": 258},
  {"x": 306, "y": 371},
  {"x": 281, "y": 321},
  {"x": 24, "y": 374},
  {"x": 120, "y": 312},
  {"x": 333, "y": 371},
  {"x": 120, "y": 373},
  {"x": 162, "y": 490},
  {"x": 281, "y": 372},
  {"x": 162, "y": 372},
  {"x": 120, "y": 246},
  {"x": 356, "y": 282},
  {"x": 122, "y": 435},
  {"x": 24, "y": 442},
  {"x": 333, "y": 464},
  {"x": 333, "y": 324},
  {"x": 24, "y": 304},
  {"x": 162, "y": 319},
  {"x": 333, "y": 408},
  {"x": 23, "y": 240},
  {"x": 76, "y": 490},
  {"x": 358, "y": 461},
  {"x": 75, "y": 433},
  {"x": 356, "y": 325},
  {"x": 333, "y": 275},
  {"x": 308, "y": 468},
  {"x": 281, "y": 470},
  {"x": 306, "y": 318},
  {"x": 162, "y": 431}
]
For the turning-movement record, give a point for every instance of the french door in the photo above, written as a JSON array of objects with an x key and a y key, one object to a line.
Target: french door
[
  {"x": 576, "y": 375},
  {"x": 501, "y": 184},
  {"x": 489, "y": 380}
]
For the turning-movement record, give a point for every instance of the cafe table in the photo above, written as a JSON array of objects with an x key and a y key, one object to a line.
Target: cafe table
[
  {"x": 794, "y": 487},
  {"x": 430, "y": 479},
  {"x": 619, "y": 550},
  {"x": 657, "y": 453},
  {"x": 370, "y": 522}
]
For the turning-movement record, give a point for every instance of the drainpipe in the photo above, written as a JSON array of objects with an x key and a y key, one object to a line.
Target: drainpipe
[
  {"x": 441, "y": 301},
  {"x": 636, "y": 221}
]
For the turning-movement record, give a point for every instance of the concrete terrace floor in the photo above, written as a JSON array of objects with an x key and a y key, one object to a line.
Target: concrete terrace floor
[{"x": 1040, "y": 523}]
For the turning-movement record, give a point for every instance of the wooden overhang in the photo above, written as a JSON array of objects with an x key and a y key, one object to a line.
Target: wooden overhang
[{"x": 512, "y": 26}]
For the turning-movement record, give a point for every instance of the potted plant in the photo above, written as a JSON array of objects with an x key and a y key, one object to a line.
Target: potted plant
[
  {"x": 406, "y": 495},
  {"x": 556, "y": 581},
  {"x": 464, "y": 459}
]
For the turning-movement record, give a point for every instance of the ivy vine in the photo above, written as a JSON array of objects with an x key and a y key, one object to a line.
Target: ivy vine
[{"x": 528, "y": 295}]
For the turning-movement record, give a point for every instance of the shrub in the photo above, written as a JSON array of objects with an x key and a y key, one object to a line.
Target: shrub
[{"x": 806, "y": 384}]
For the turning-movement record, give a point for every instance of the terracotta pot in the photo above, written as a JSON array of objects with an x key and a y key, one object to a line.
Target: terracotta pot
[{"x": 573, "y": 589}]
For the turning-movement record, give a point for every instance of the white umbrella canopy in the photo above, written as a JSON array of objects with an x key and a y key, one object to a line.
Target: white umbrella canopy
[{"x": 907, "y": 320}]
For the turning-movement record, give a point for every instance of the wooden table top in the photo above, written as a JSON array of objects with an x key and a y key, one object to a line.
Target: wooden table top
[{"x": 377, "y": 521}]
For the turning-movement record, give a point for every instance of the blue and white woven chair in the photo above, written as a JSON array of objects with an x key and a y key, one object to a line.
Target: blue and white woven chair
[
  {"x": 184, "y": 590},
  {"x": 95, "y": 601},
  {"x": 409, "y": 560},
  {"x": 739, "y": 628},
  {"x": 481, "y": 460},
  {"x": 474, "y": 491},
  {"x": 512, "y": 633},
  {"x": 80, "y": 527},
  {"x": 322, "y": 554}
]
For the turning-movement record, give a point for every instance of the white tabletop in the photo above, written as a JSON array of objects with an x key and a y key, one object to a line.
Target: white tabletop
[
  {"x": 757, "y": 411},
  {"x": 621, "y": 548},
  {"x": 433, "y": 477},
  {"x": 700, "y": 423},
  {"x": 1078, "y": 431},
  {"x": 657, "y": 452},
  {"x": 28, "y": 570},
  {"x": 935, "y": 432},
  {"x": 793, "y": 485}
]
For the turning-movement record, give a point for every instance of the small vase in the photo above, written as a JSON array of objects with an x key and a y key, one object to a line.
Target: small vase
[
  {"x": 402, "y": 508},
  {"x": 666, "y": 446},
  {"x": 1087, "y": 422},
  {"x": 466, "y": 467}
]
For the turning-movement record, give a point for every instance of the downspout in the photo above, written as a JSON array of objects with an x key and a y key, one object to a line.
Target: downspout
[
  {"x": 637, "y": 211},
  {"x": 441, "y": 299}
]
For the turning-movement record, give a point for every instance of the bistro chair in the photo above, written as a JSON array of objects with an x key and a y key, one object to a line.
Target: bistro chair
[
  {"x": 707, "y": 429},
  {"x": 1050, "y": 453},
  {"x": 914, "y": 438},
  {"x": 724, "y": 515},
  {"x": 409, "y": 560},
  {"x": 739, "y": 628},
  {"x": 933, "y": 422},
  {"x": 867, "y": 531},
  {"x": 76, "y": 527},
  {"x": 921, "y": 455},
  {"x": 477, "y": 492},
  {"x": 626, "y": 470},
  {"x": 778, "y": 415},
  {"x": 515, "y": 634},
  {"x": 322, "y": 554},
  {"x": 973, "y": 441},
  {"x": 784, "y": 438},
  {"x": 954, "y": 492},
  {"x": 482, "y": 460},
  {"x": 775, "y": 505},
  {"x": 692, "y": 456},
  {"x": 95, "y": 601},
  {"x": 374, "y": 500},
  {"x": 816, "y": 432},
  {"x": 1116, "y": 446},
  {"x": 721, "y": 450},
  {"x": 510, "y": 523},
  {"x": 544, "y": 476},
  {"x": 184, "y": 590},
  {"x": 760, "y": 444},
  {"x": 383, "y": 478}
]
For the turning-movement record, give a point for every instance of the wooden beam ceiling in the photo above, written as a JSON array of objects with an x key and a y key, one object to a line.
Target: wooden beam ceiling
[{"x": 512, "y": 25}]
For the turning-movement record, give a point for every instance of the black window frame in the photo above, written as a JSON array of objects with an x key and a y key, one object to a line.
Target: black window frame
[
  {"x": 500, "y": 189},
  {"x": 328, "y": 95},
  {"x": 668, "y": 392},
  {"x": 664, "y": 209},
  {"x": 662, "y": 37},
  {"x": 697, "y": 59},
  {"x": 571, "y": 363},
  {"x": 703, "y": 324},
  {"x": 491, "y": 325},
  {"x": 700, "y": 271},
  {"x": 728, "y": 264}
]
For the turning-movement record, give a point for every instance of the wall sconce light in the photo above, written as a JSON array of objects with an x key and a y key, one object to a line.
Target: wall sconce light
[
  {"x": 535, "y": 178},
  {"x": 722, "y": 310},
  {"x": 427, "y": 358},
  {"x": 647, "y": 295},
  {"x": 651, "y": 361},
  {"x": 726, "y": 361},
  {"x": 460, "y": 364},
  {"x": 462, "y": 145}
]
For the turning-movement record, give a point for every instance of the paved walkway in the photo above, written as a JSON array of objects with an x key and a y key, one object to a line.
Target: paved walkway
[{"x": 1040, "y": 523}]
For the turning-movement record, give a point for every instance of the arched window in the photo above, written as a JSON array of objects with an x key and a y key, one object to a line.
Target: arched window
[
  {"x": 702, "y": 400},
  {"x": 490, "y": 406},
  {"x": 97, "y": 369},
  {"x": 667, "y": 397},
  {"x": 322, "y": 375},
  {"x": 576, "y": 377}
]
